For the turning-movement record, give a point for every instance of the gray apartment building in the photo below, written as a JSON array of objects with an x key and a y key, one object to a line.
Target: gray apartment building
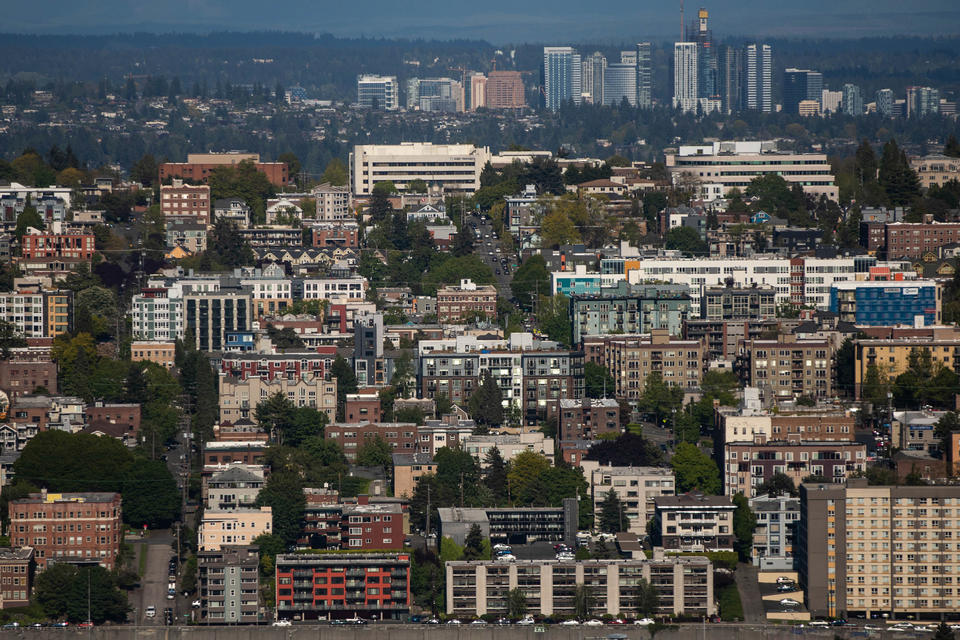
[
  {"x": 630, "y": 308},
  {"x": 879, "y": 551},
  {"x": 693, "y": 522},
  {"x": 229, "y": 585},
  {"x": 738, "y": 303},
  {"x": 684, "y": 585}
]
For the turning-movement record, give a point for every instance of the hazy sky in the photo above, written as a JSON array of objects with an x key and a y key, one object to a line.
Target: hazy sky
[{"x": 494, "y": 20}]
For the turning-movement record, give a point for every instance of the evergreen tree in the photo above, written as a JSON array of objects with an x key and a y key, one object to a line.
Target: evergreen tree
[
  {"x": 516, "y": 603},
  {"x": 952, "y": 147},
  {"x": 473, "y": 544},
  {"x": 611, "y": 513},
  {"x": 346, "y": 378},
  {"x": 495, "y": 477},
  {"x": 744, "y": 523},
  {"x": 135, "y": 385},
  {"x": 486, "y": 403},
  {"x": 898, "y": 180}
]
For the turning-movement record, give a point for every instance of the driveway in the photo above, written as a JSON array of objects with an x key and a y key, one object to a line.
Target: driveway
[{"x": 749, "y": 588}]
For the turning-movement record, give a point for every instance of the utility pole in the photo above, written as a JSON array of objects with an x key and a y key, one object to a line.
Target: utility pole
[
  {"x": 461, "y": 489},
  {"x": 427, "y": 530}
]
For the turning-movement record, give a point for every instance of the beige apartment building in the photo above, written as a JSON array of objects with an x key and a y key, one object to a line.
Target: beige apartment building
[
  {"x": 636, "y": 488},
  {"x": 935, "y": 170},
  {"x": 231, "y": 528},
  {"x": 722, "y": 166},
  {"x": 746, "y": 465},
  {"x": 185, "y": 201},
  {"x": 684, "y": 585},
  {"x": 459, "y": 303},
  {"x": 786, "y": 369},
  {"x": 891, "y": 357},
  {"x": 880, "y": 551},
  {"x": 239, "y": 398},
  {"x": 630, "y": 359},
  {"x": 693, "y": 522}
]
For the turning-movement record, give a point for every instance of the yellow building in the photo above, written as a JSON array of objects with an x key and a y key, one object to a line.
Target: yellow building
[
  {"x": 159, "y": 351},
  {"x": 407, "y": 469},
  {"x": 237, "y": 527},
  {"x": 891, "y": 357}
]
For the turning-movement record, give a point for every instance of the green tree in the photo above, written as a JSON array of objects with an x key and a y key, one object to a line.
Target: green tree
[
  {"x": 648, "y": 599},
  {"x": 944, "y": 632},
  {"x": 9, "y": 339},
  {"x": 486, "y": 403},
  {"x": 611, "y": 513},
  {"x": 375, "y": 452},
  {"x": 947, "y": 424},
  {"x": 516, "y": 603},
  {"x": 597, "y": 381},
  {"x": 659, "y": 398},
  {"x": 346, "y": 378},
  {"x": 952, "y": 147},
  {"x": 473, "y": 544},
  {"x": 898, "y": 179},
  {"x": 874, "y": 387},
  {"x": 27, "y": 218},
  {"x": 335, "y": 173},
  {"x": 582, "y": 601},
  {"x": 695, "y": 470},
  {"x": 283, "y": 493},
  {"x": 557, "y": 229},
  {"x": 227, "y": 246},
  {"x": 274, "y": 414},
  {"x": 553, "y": 314},
  {"x": 63, "y": 591},
  {"x": 744, "y": 523},
  {"x": 779, "y": 484},
  {"x": 530, "y": 281},
  {"x": 150, "y": 495},
  {"x": 687, "y": 240},
  {"x": 495, "y": 476},
  {"x": 145, "y": 171},
  {"x": 243, "y": 181}
]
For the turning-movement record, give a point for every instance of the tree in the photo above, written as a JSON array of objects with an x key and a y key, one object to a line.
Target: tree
[
  {"x": 486, "y": 403},
  {"x": 628, "y": 449},
  {"x": 243, "y": 181},
  {"x": 227, "y": 246},
  {"x": 948, "y": 423},
  {"x": 286, "y": 338},
  {"x": 648, "y": 600},
  {"x": 375, "y": 452},
  {"x": 473, "y": 544},
  {"x": 695, "y": 470},
  {"x": 145, "y": 171},
  {"x": 557, "y": 229},
  {"x": 283, "y": 493},
  {"x": 98, "y": 306},
  {"x": 898, "y": 179},
  {"x": 516, "y": 603},
  {"x": 582, "y": 601},
  {"x": 687, "y": 240},
  {"x": 463, "y": 243},
  {"x": 525, "y": 475},
  {"x": 744, "y": 523},
  {"x": 553, "y": 314},
  {"x": 597, "y": 381},
  {"x": 346, "y": 378},
  {"x": 530, "y": 281},
  {"x": 952, "y": 147},
  {"x": 335, "y": 173},
  {"x": 9, "y": 339},
  {"x": 611, "y": 513},
  {"x": 659, "y": 398},
  {"x": 150, "y": 496},
  {"x": 293, "y": 163},
  {"x": 779, "y": 484},
  {"x": 27, "y": 218},
  {"x": 274, "y": 414},
  {"x": 944, "y": 632},
  {"x": 64, "y": 589},
  {"x": 495, "y": 476}
]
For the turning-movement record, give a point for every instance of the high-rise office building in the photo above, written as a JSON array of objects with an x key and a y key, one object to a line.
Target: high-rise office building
[
  {"x": 884, "y": 101},
  {"x": 562, "y": 76},
  {"x": 378, "y": 92},
  {"x": 685, "y": 75},
  {"x": 594, "y": 70},
  {"x": 619, "y": 83},
  {"x": 800, "y": 85},
  {"x": 505, "y": 90},
  {"x": 644, "y": 76},
  {"x": 922, "y": 101},
  {"x": 733, "y": 80},
  {"x": 758, "y": 78},
  {"x": 708, "y": 85},
  {"x": 434, "y": 94},
  {"x": 852, "y": 100},
  {"x": 478, "y": 91}
]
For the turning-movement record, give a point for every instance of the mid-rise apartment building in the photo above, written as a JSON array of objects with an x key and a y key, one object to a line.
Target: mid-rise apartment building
[
  {"x": 693, "y": 522},
  {"x": 292, "y": 365},
  {"x": 199, "y": 166},
  {"x": 774, "y": 538},
  {"x": 454, "y": 168},
  {"x": 684, "y": 586},
  {"x": 378, "y": 92},
  {"x": 504, "y": 90},
  {"x": 891, "y": 356},
  {"x": 748, "y": 465},
  {"x": 513, "y": 525},
  {"x": 36, "y": 313},
  {"x": 239, "y": 397},
  {"x": 235, "y": 487},
  {"x": 456, "y": 304},
  {"x": 636, "y": 488},
  {"x": 886, "y": 303},
  {"x": 722, "y": 166},
  {"x": 360, "y": 524},
  {"x": 627, "y": 308},
  {"x": 788, "y": 368},
  {"x": 68, "y": 527},
  {"x": 587, "y": 418},
  {"x": 914, "y": 239},
  {"x": 229, "y": 585},
  {"x": 935, "y": 170},
  {"x": 209, "y": 315},
  {"x": 334, "y": 203},
  {"x": 70, "y": 247},
  {"x": 185, "y": 201},
  {"x": 233, "y": 527},
  {"x": 17, "y": 568},
  {"x": 738, "y": 303},
  {"x": 876, "y": 551},
  {"x": 343, "y": 585},
  {"x": 631, "y": 358},
  {"x": 722, "y": 338}
]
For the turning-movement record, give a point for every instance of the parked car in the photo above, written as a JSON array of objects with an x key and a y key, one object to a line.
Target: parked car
[
  {"x": 282, "y": 623},
  {"x": 151, "y": 611},
  {"x": 643, "y": 622}
]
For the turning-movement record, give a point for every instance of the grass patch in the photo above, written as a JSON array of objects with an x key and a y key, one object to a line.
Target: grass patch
[
  {"x": 728, "y": 597},
  {"x": 142, "y": 561}
]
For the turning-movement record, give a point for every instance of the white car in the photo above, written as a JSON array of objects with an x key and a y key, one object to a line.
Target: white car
[
  {"x": 570, "y": 623},
  {"x": 507, "y": 557},
  {"x": 479, "y": 622},
  {"x": 593, "y": 623},
  {"x": 525, "y": 621},
  {"x": 151, "y": 611},
  {"x": 501, "y": 547},
  {"x": 282, "y": 623},
  {"x": 643, "y": 622},
  {"x": 196, "y": 604},
  {"x": 870, "y": 627},
  {"x": 454, "y": 621},
  {"x": 790, "y": 602}
]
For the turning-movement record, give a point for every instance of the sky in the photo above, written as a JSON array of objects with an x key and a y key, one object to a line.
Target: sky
[{"x": 497, "y": 21}]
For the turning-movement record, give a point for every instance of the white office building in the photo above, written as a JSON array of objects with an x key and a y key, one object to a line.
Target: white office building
[
  {"x": 685, "y": 75},
  {"x": 453, "y": 168},
  {"x": 378, "y": 92}
]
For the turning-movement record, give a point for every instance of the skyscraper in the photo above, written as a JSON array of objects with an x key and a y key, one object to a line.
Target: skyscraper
[
  {"x": 378, "y": 92},
  {"x": 799, "y": 85},
  {"x": 478, "y": 91},
  {"x": 708, "y": 85},
  {"x": 562, "y": 76},
  {"x": 434, "y": 94},
  {"x": 733, "y": 89},
  {"x": 852, "y": 100},
  {"x": 644, "y": 74},
  {"x": 758, "y": 78},
  {"x": 620, "y": 82},
  {"x": 505, "y": 90},
  {"x": 685, "y": 75},
  {"x": 884, "y": 101},
  {"x": 922, "y": 101},
  {"x": 594, "y": 68}
]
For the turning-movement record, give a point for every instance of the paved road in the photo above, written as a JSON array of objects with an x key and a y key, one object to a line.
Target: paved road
[
  {"x": 153, "y": 589},
  {"x": 746, "y": 579},
  {"x": 490, "y": 251}
]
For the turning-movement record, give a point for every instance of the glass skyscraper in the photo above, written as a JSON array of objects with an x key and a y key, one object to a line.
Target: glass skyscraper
[{"x": 562, "y": 76}]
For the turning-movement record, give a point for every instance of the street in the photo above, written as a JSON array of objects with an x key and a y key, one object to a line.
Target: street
[
  {"x": 153, "y": 589},
  {"x": 487, "y": 248}
]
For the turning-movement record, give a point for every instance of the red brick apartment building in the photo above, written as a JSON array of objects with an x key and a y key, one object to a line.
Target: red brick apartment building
[
  {"x": 198, "y": 166},
  {"x": 64, "y": 246},
  {"x": 68, "y": 527}
]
